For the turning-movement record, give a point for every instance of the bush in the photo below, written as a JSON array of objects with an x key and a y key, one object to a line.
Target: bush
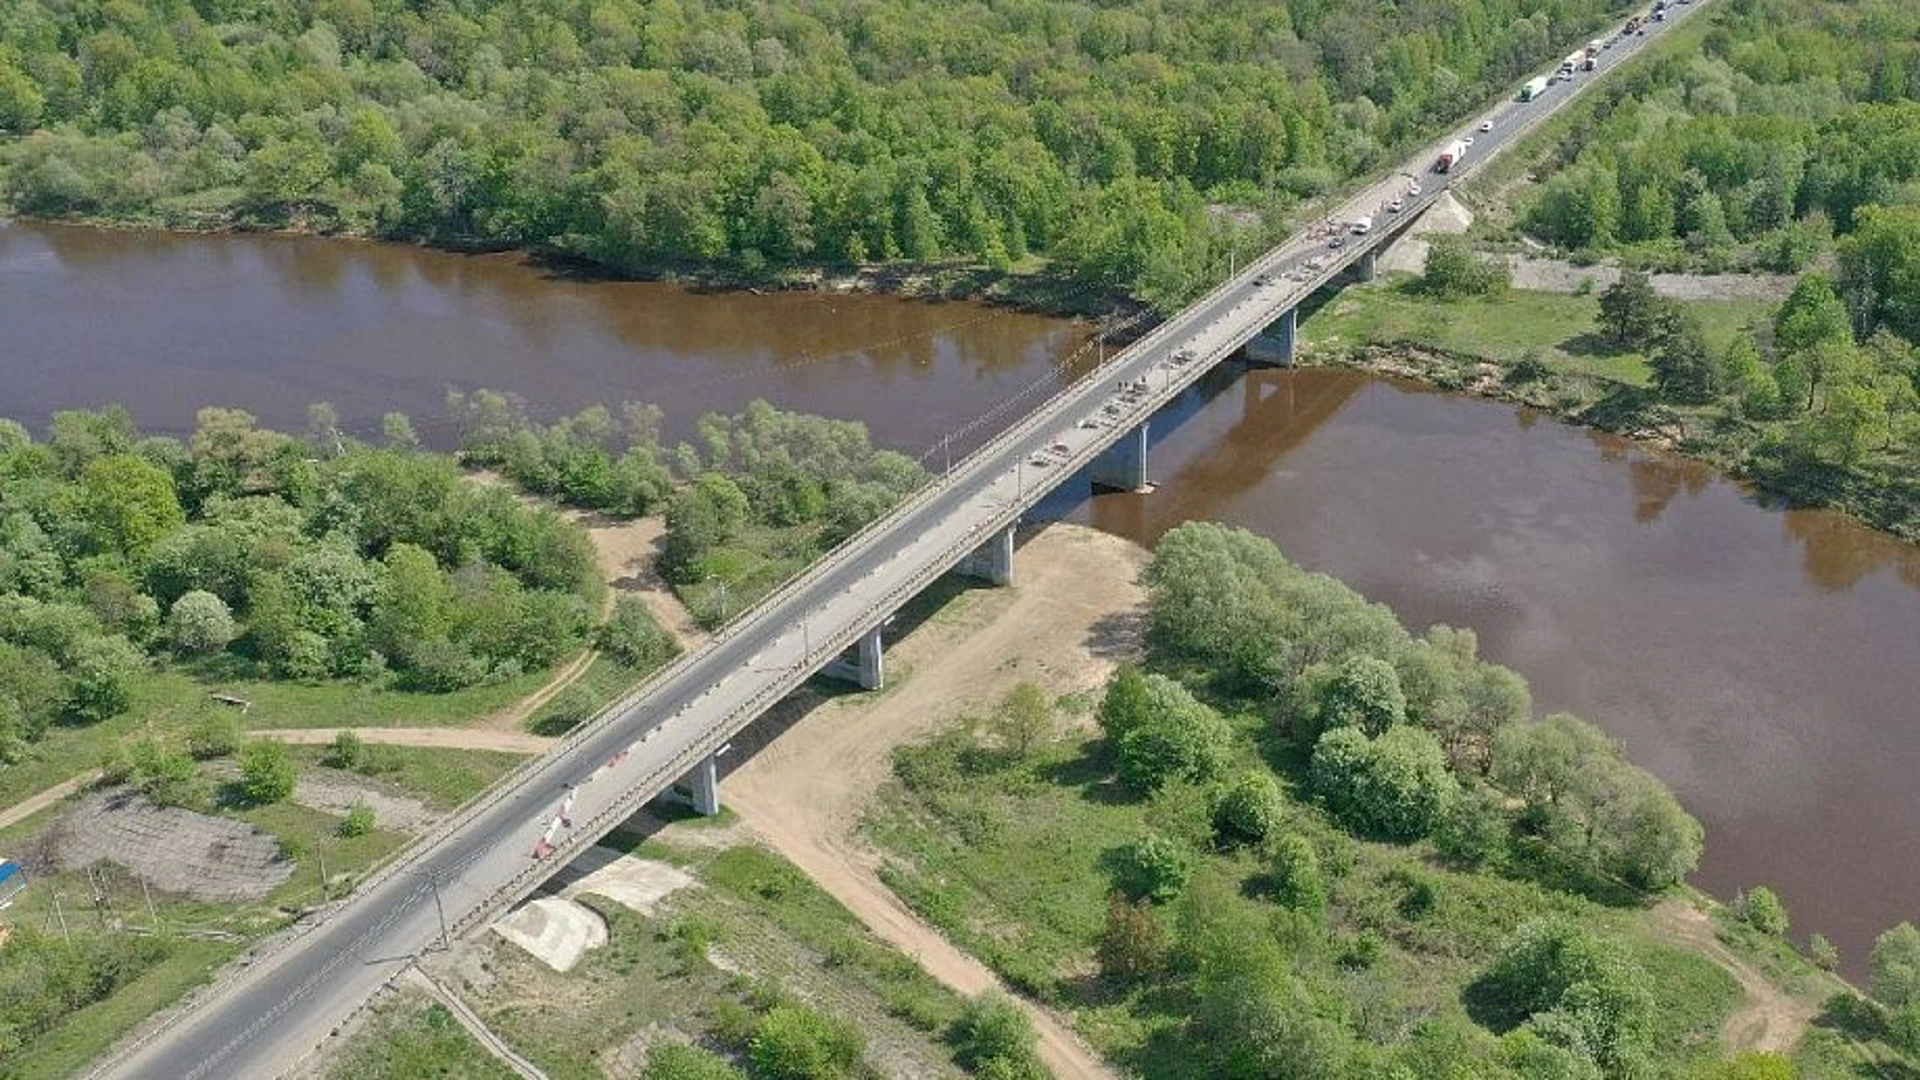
[
  {"x": 1762, "y": 910},
  {"x": 216, "y": 734},
  {"x": 678, "y": 1061},
  {"x": 1894, "y": 967},
  {"x": 347, "y": 751},
  {"x": 1297, "y": 879},
  {"x": 1250, "y": 810},
  {"x": 359, "y": 820},
  {"x": 200, "y": 622},
  {"x": 793, "y": 1042},
  {"x": 1155, "y": 868},
  {"x": 1454, "y": 270},
  {"x": 994, "y": 1034},
  {"x": 167, "y": 777},
  {"x": 1134, "y": 944},
  {"x": 1396, "y": 786},
  {"x": 267, "y": 772},
  {"x": 1476, "y": 830},
  {"x": 1823, "y": 953},
  {"x": 634, "y": 638}
]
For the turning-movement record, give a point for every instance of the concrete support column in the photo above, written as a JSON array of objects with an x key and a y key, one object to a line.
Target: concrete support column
[
  {"x": 1123, "y": 466},
  {"x": 1276, "y": 344},
  {"x": 992, "y": 561},
  {"x": 868, "y": 665},
  {"x": 1365, "y": 267},
  {"x": 704, "y": 784}
]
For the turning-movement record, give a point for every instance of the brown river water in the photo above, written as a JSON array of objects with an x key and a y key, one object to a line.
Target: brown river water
[{"x": 1765, "y": 663}]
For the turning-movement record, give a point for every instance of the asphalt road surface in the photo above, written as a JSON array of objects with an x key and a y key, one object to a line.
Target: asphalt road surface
[{"x": 265, "y": 1017}]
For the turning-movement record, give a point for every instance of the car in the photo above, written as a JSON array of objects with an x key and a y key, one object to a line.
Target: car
[
  {"x": 1337, "y": 242},
  {"x": 1262, "y": 281},
  {"x": 1396, "y": 206},
  {"x": 1486, "y": 125},
  {"x": 1468, "y": 139},
  {"x": 1413, "y": 191}
]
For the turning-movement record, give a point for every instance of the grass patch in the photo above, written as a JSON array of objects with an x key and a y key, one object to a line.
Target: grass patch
[
  {"x": 311, "y": 838},
  {"x": 444, "y": 777},
  {"x": 87, "y": 1033},
  {"x": 412, "y": 1036},
  {"x": 1561, "y": 332},
  {"x": 604, "y": 682}
]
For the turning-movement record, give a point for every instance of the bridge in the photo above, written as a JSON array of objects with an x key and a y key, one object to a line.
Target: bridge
[{"x": 277, "y": 1004}]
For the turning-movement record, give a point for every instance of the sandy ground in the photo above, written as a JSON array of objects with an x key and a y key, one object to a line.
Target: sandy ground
[
  {"x": 803, "y": 793},
  {"x": 511, "y": 742},
  {"x": 1771, "y": 1021},
  {"x": 39, "y": 801}
]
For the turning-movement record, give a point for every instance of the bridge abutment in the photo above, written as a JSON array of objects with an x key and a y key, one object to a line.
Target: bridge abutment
[
  {"x": 867, "y": 666},
  {"x": 1123, "y": 466},
  {"x": 1277, "y": 344},
  {"x": 991, "y": 561}
]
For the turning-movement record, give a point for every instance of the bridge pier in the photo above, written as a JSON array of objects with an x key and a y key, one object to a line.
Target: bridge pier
[
  {"x": 1276, "y": 344},
  {"x": 1123, "y": 466},
  {"x": 703, "y": 783},
  {"x": 1366, "y": 267},
  {"x": 868, "y": 665},
  {"x": 991, "y": 561}
]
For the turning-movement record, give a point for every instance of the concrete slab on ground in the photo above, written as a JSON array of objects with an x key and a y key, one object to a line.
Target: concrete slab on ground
[{"x": 554, "y": 930}]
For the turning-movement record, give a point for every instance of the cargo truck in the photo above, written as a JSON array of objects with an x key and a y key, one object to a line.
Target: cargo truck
[
  {"x": 1450, "y": 156},
  {"x": 1534, "y": 88}
]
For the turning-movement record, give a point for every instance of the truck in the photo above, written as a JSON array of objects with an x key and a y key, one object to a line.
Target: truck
[
  {"x": 1633, "y": 23},
  {"x": 1450, "y": 156},
  {"x": 1534, "y": 88},
  {"x": 1572, "y": 62},
  {"x": 1362, "y": 226}
]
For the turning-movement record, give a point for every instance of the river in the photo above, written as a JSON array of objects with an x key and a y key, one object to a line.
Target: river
[{"x": 1761, "y": 662}]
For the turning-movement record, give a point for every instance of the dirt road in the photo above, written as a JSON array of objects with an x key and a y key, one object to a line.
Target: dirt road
[
  {"x": 35, "y": 803},
  {"x": 803, "y": 792},
  {"x": 1771, "y": 1020},
  {"x": 511, "y": 742}
]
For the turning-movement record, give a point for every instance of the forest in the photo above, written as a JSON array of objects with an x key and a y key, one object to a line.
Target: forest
[
  {"x": 747, "y": 137},
  {"x": 1793, "y": 123},
  {"x": 1301, "y": 841}
]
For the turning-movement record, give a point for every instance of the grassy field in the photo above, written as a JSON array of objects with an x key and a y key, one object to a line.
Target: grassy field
[
  {"x": 1015, "y": 862},
  {"x": 754, "y": 930},
  {"x": 604, "y": 681},
  {"x": 444, "y": 778},
  {"x": 411, "y": 1036},
  {"x": 1558, "y": 330}
]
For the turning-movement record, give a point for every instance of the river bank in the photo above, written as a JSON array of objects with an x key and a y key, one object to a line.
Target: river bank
[{"x": 1724, "y": 444}]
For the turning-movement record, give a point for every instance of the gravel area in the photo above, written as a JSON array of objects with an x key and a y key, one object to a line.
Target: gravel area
[
  {"x": 335, "y": 793},
  {"x": 175, "y": 850}
]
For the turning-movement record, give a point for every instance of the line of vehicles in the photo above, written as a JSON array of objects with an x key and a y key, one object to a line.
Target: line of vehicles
[{"x": 1581, "y": 60}]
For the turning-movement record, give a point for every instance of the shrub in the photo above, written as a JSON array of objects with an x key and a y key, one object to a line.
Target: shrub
[
  {"x": 633, "y": 637},
  {"x": 347, "y": 752},
  {"x": 1396, "y": 786},
  {"x": 995, "y": 1033},
  {"x": 1250, "y": 810},
  {"x": 1762, "y": 910},
  {"x": 1894, "y": 967},
  {"x": 200, "y": 622},
  {"x": 167, "y": 777},
  {"x": 1155, "y": 867},
  {"x": 267, "y": 772},
  {"x": 1134, "y": 944},
  {"x": 1297, "y": 879},
  {"x": 793, "y": 1042},
  {"x": 678, "y": 1061},
  {"x": 1825, "y": 956},
  {"x": 216, "y": 734},
  {"x": 359, "y": 820}
]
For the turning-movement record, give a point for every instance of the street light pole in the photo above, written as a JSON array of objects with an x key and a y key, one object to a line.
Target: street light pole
[{"x": 433, "y": 880}]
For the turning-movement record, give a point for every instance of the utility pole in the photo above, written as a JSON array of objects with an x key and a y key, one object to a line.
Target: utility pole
[
  {"x": 433, "y": 880},
  {"x": 62, "y": 916},
  {"x": 946, "y": 444},
  {"x": 320, "y": 850},
  {"x": 148, "y": 893}
]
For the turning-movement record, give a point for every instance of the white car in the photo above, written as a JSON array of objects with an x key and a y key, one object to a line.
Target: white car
[
  {"x": 1413, "y": 191},
  {"x": 1486, "y": 125},
  {"x": 1396, "y": 206}
]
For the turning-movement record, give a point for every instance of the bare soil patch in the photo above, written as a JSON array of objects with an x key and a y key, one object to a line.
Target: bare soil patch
[
  {"x": 1771, "y": 1020},
  {"x": 176, "y": 850},
  {"x": 1070, "y": 617},
  {"x": 512, "y": 742},
  {"x": 336, "y": 793}
]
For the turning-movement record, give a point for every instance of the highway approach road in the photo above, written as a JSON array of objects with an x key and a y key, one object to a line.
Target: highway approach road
[{"x": 258, "y": 1020}]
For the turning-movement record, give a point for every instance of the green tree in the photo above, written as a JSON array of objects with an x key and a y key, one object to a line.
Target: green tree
[
  {"x": 1631, "y": 313},
  {"x": 1396, "y": 786},
  {"x": 1298, "y": 882},
  {"x": 705, "y": 516},
  {"x": 199, "y": 622},
  {"x": 127, "y": 504},
  {"x": 267, "y": 772},
  {"x": 1812, "y": 315},
  {"x": 1894, "y": 967},
  {"x": 1683, "y": 363},
  {"x": 1363, "y": 692},
  {"x": 991, "y": 1029},
  {"x": 1452, "y": 270},
  {"x": 1762, "y": 909},
  {"x": 1823, "y": 953},
  {"x": 1880, "y": 270},
  {"x": 634, "y": 637},
  {"x": 1552, "y": 967},
  {"x": 100, "y": 673}
]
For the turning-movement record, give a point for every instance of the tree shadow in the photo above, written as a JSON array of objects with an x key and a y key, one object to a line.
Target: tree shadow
[
  {"x": 1119, "y": 635},
  {"x": 1088, "y": 773},
  {"x": 1533, "y": 860},
  {"x": 1590, "y": 344}
]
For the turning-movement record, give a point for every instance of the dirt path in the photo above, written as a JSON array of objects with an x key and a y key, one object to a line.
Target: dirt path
[
  {"x": 1771, "y": 1021},
  {"x": 510, "y": 742},
  {"x": 803, "y": 792},
  {"x": 33, "y": 804}
]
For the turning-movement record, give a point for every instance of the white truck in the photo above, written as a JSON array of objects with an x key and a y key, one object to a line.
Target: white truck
[
  {"x": 1534, "y": 88},
  {"x": 1362, "y": 226},
  {"x": 1450, "y": 156}
]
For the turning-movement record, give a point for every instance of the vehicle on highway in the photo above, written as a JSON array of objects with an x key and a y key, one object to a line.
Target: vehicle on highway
[
  {"x": 1362, "y": 226},
  {"x": 1337, "y": 242},
  {"x": 1486, "y": 126},
  {"x": 1396, "y": 206},
  {"x": 1413, "y": 190},
  {"x": 1451, "y": 156},
  {"x": 1534, "y": 88}
]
